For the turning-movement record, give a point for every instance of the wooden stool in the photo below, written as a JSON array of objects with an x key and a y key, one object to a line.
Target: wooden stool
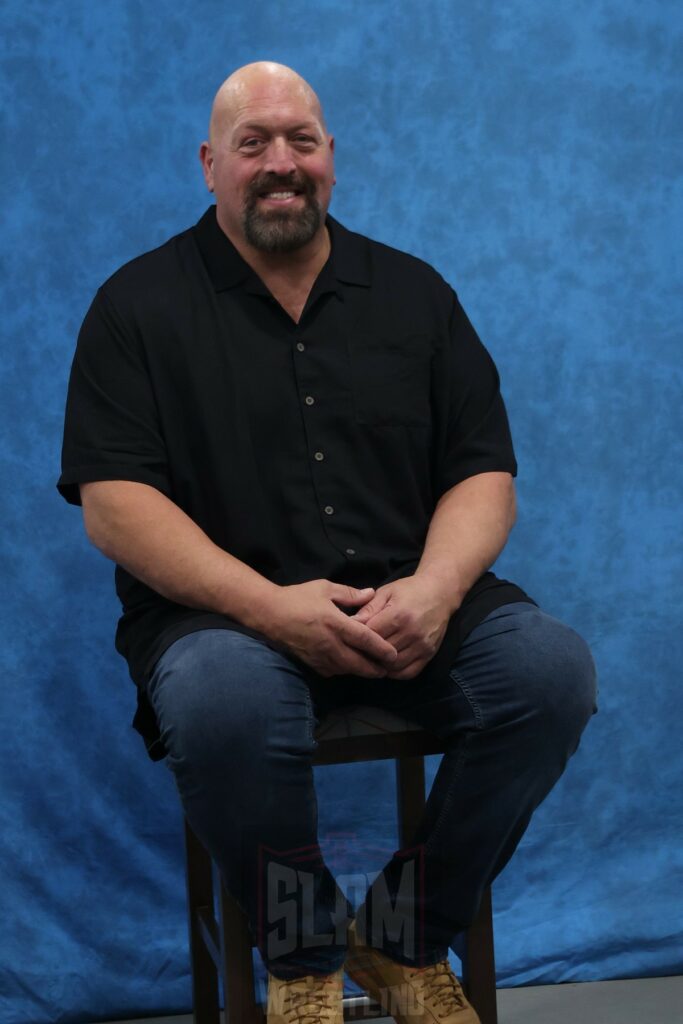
[{"x": 222, "y": 949}]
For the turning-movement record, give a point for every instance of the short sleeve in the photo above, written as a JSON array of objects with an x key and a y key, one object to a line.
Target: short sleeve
[
  {"x": 475, "y": 433},
  {"x": 111, "y": 426}
]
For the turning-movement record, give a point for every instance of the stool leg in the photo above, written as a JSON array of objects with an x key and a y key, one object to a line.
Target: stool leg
[
  {"x": 479, "y": 967},
  {"x": 410, "y": 791},
  {"x": 239, "y": 989},
  {"x": 200, "y": 900},
  {"x": 479, "y": 971}
]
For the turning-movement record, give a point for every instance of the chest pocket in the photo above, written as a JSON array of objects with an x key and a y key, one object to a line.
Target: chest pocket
[{"x": 391, "y": 379}]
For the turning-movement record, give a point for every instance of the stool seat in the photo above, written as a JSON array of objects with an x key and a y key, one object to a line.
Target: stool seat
[
  {"x": 221, "y": 948},
  {"x": 360, "y": 732}
]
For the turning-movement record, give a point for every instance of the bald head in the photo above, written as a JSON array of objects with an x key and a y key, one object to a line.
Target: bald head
[
  {"x": 269, "y": 161},
  {"x": 253, "y": 81}
]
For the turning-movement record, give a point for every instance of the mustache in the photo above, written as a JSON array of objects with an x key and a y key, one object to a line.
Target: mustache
[{"x": 280, "y": 182}]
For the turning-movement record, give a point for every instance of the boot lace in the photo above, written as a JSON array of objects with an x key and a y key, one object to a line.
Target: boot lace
[
  {"x": 308, "y": 1003},
  {"x": 442, "y": 988}
]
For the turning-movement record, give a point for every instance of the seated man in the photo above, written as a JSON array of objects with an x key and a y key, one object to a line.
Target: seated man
[{"x": 292, "y": 443}]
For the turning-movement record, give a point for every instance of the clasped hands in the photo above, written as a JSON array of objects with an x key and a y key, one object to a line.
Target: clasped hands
[{"x": 396, "y": 630}]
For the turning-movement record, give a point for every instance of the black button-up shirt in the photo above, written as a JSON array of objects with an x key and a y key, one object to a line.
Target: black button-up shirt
[{"x": 310, "y": 450}]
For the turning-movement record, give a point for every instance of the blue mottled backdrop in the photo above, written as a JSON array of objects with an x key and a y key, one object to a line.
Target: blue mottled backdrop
[{"x": 533, "y": 153}]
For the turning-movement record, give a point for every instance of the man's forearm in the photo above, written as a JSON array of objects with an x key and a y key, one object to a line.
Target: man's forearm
[
  {"x": 152, "y": 538},
  {"x": 468, "y": 530}
]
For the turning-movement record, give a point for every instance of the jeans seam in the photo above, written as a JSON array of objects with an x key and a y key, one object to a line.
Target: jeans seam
[
  {"x": 310, "y": 715},
  {"x": 462, "y": 752},
  {"x": 474, "y": 707},
  {"x": 445, "y": 806}
]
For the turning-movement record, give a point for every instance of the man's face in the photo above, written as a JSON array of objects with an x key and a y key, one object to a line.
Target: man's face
[{"x": 271, "y": 168}]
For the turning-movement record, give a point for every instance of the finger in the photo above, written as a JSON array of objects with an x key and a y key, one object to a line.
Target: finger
[
  {"x": 373, "y": 607},
  {"x": 350, "y": 595},
  {"x": 385, "y": 621},
  {"x": 407, "y": 655},
  {"x": 400, "y": 641},
  {"x": 409, "y": 671},
  {"x": 396, "y": 636},
  {"x": 368, "y": 642}
]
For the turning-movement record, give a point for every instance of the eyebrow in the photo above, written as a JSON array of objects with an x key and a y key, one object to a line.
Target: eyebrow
[{"x": 251, "y": 126}]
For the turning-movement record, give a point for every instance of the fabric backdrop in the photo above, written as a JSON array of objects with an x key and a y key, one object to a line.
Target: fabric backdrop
[{"x": 531, "y": 152}]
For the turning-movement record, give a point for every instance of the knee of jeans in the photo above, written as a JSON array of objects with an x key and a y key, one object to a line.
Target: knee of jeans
[
  {"x": 200, "y": 725},
  {"x": 560, "y": 677},
  {"x": 214, "y": 714}
]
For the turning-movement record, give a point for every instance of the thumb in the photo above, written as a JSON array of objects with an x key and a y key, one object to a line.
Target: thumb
[
  {"x": 369, "y": 609},
  {"x": 351, "y": 595}
]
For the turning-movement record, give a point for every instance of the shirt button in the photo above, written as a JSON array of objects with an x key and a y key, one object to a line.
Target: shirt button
[
  {"x": 329, "y": 510},
  {"x": 300, "y": 346},
  {"x": 308, "y": 400},
  {"x": 318, "y": 456},
  {"x": 350, "y": 551}
]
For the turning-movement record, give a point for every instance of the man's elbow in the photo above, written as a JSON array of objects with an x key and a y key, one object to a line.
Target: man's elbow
[
  {"x": 95, "y": 519},
  {"x": 512, "y": 505}
]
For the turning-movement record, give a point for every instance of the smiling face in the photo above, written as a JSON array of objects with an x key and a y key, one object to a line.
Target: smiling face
[{"x": 269, "y": 160}]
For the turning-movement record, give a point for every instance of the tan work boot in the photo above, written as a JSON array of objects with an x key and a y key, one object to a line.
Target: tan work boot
[
  {"x": 412, "y": 995},
  {"x": 315, "y": 999}
]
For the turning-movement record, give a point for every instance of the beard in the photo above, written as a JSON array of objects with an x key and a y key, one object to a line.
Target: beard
[{"x": 280, "y": 230}]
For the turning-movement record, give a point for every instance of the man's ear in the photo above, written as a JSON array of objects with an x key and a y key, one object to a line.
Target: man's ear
[
  {"x": 331, "y": 145},
  {"x": 206, "y": 158}
]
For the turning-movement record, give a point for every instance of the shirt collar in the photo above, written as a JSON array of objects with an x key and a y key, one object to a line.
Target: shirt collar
[{"x": 349, "y": 260}]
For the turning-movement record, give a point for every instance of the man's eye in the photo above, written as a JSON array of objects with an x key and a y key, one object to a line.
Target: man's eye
[
  {"x": 305, "y": 139},
  {"x": 251, "y": 143}
]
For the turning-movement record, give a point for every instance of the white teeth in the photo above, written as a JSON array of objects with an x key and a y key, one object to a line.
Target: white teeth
[{"x": 280, "y": 195}]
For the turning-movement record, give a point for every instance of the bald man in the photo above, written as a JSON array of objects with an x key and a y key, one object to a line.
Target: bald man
[{"x": 292, "y": 443}]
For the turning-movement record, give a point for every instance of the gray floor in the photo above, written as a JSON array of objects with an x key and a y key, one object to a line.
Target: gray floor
[{"x": 640, "y": 1001}]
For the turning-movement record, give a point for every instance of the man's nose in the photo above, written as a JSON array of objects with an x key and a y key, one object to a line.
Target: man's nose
[{"x": 279, "y": 159}]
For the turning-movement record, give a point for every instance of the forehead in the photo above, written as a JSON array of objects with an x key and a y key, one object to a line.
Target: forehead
[{"x": 272, "y": 106}]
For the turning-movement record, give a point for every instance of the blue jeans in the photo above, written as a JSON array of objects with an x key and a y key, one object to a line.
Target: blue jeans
[{"x": 238, "y": 720}]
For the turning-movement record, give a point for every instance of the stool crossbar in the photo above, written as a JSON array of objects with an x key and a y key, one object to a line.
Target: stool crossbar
[{"x": 221, "y": 945}]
